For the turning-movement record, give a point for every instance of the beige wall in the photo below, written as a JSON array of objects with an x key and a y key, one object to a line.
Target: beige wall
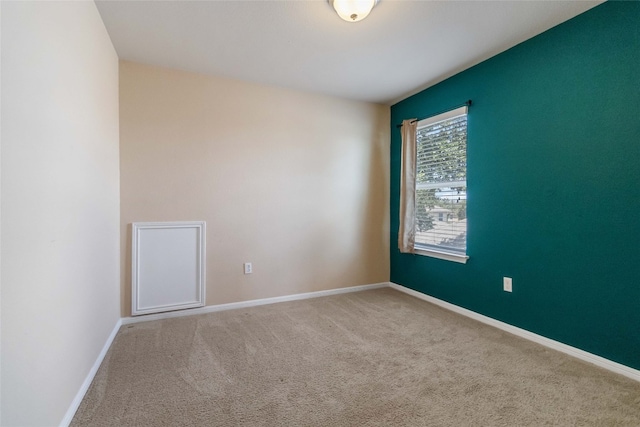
[
  {"x": 60, "y": 205},
  {"x": 293, "y": 182}
]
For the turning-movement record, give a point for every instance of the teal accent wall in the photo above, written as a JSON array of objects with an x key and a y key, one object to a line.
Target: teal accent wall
[{"x": 553, "y": 185}]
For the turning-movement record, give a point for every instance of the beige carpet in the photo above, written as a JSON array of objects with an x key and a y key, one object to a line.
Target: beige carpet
[{"x": 373, "y": 358}]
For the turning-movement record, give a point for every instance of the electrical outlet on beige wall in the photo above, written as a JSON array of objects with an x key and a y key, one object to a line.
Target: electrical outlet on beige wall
[{"x": 301, "y": 179}]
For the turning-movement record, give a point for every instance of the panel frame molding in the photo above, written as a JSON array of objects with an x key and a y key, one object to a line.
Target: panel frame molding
[{"x": 137, "y": 228}]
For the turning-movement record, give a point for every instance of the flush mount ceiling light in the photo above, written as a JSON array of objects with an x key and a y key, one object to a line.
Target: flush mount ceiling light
[{"x": 353, "y": 10}]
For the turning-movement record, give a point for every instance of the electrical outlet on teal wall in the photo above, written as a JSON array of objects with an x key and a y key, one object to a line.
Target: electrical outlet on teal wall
[{"x": 553, "y": 185}]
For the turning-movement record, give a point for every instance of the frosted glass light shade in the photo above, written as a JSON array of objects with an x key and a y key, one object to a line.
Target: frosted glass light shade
[{"x": 353, "y": 10}]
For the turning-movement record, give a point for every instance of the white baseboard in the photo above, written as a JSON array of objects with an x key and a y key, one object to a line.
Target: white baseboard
[
  {"x": 555, "y": 345},
  {"x": 92, "y": 373},
  {"x": 192, "y": 312},
  {"x": 251, "y": 303},
  {"x": 610, "y": 365}
]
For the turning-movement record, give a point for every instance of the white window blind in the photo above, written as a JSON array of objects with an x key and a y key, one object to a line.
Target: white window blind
[{"x": 441, "y": 183}]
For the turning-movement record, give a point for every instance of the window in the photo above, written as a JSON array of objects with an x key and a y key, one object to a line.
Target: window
[{"x": 441, "y": 185}]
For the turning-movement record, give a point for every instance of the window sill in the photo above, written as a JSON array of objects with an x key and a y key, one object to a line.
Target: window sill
[{"x": 448, "y": 256}]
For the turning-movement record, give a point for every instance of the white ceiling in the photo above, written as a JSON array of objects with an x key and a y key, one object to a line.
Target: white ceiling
[{"x": 402, "y": 47}]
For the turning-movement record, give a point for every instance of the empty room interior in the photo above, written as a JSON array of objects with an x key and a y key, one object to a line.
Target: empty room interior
[{"x": 291, "y": 213}]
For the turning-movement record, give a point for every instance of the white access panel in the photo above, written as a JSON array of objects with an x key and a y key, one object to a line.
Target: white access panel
[{"x": 168, "y": 266}]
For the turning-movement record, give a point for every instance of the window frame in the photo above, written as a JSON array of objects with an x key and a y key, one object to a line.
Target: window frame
[{"x": 430, "y": 250}]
